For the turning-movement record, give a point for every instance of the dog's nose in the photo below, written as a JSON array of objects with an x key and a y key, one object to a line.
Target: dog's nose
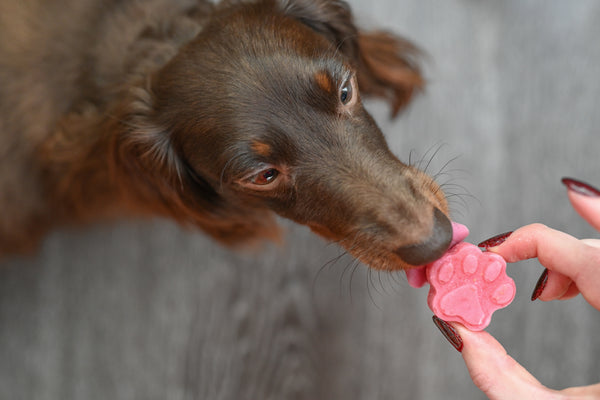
[{"x": 431, "y": 248}]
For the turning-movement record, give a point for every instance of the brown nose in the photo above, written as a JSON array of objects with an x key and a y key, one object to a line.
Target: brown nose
[{"x": 431, "y": 248}]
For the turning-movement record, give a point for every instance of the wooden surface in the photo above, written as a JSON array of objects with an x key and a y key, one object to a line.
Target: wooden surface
[{"x": 144, "y": 310}]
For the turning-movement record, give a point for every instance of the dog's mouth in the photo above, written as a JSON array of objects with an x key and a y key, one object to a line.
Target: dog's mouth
[{"x": 372, "y": 250}]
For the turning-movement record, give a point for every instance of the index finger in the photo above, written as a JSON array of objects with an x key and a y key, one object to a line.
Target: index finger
[{"x": 557, "y": 251}]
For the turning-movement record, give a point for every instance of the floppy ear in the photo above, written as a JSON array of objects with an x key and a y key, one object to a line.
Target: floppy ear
[
  {"x": 387, "y": 64},
  {"x": 158, "y": 182},
  {"x": 144, "y": 158},
  {"x": 388, "y": 67}
]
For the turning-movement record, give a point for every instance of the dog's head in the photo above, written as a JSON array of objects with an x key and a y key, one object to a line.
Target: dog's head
[{"x": 262, "y": 112}]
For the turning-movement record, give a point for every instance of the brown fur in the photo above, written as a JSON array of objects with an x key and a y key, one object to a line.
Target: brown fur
[{"x": 186, "y": 110}]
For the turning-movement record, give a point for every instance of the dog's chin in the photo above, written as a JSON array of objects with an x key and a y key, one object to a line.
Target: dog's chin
[
  {"x": 374, "y": 255},
  {"x": 383, "y": 260}
]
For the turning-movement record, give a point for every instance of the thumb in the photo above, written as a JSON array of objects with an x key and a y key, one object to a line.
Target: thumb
[
  {"x": 493, "y": 371},
  {"x": 585, "y": 200}
]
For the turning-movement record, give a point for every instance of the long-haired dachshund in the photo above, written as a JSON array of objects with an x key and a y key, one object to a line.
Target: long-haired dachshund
[{"x": 216, "y": 116}]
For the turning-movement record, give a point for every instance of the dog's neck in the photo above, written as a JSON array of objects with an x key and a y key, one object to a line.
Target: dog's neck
[
  {"x": 85, "y": 161},
  {"x": 79, "y": 176}
]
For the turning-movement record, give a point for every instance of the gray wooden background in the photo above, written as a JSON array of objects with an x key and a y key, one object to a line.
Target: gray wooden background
[{"x": 144, "y": 310}]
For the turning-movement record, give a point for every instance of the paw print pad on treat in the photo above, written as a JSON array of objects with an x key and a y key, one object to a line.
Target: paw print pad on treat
[{"x": 468, "y": 285}]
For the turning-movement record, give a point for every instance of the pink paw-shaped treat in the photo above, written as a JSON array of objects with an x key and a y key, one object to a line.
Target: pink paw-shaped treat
[{"x": 468, "y": 285}]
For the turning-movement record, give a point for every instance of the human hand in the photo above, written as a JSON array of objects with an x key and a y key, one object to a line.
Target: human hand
[
  {"x": 497, "y": 374},
  {"x": 572, "y": 267}
]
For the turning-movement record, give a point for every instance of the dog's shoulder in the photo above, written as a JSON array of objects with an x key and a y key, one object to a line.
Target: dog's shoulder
[
  {"x": 62, "y": 64},
  {"x": 53, "y": 55}
]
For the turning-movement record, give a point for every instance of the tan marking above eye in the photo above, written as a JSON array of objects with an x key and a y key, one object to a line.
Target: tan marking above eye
[
  {"x": 262, "y": 149},
  {"x": 324, "y": 82}
]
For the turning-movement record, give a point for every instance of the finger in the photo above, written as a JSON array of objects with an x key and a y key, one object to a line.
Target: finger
[
  {"x": 585, "y": 200},
  {"x": 493, "y": 371},
  {"x": 585, "y": 392},
  {"x": 572, "y": 291},
  {"x": 587, "y": 207},
  {"x": 500, "y": 377},
  {"x": 592, "y": 242},
  {"x": 556, "y": 287},
  {"x": 559, "y": 252},
  {"x": 560, "y": 287}
]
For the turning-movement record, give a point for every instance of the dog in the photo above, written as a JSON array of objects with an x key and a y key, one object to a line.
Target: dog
[{"x": 218, "y": 116}]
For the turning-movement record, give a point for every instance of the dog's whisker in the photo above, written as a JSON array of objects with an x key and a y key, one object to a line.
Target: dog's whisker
[
  {"x": 334, "y": 260},
  {"x": 355, "y": 267},
  {"x": 410, "y": 153},
  {"x": 330, "y": 263},
  {"x": 443, "y": 167},
  {"x": 383, "y": 289},
  {"x": 460, "y": 198},
  {"x": 386, "y": 282},
  {"x": 458, "y": 204},
  {"x": 450, "y": 175},
  {"x": 419, "y": 163},
  {"x": 454, "y": 171},
  {"x": 349, "y": 266},
  {"x": 453, "y": 187},
  {"x": 393, "y": 282},
  {"x": 449, "y": 187},
  {"x": 370, "y": 278},
  {"x": 371, "y": 294},
  {"x": 392, "y": 279},
  {"x": 435, "y": 153},
  {"x": 458, "y": 192},
  {"x": 396, "y": 281}
]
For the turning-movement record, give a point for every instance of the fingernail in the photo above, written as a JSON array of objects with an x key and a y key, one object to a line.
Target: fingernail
[
  {"x": 449, "y": 333},
  {"x": 580, "y": 187},
  {"x": 540, "y": 285},
  {"x": 494, "y": 241}
]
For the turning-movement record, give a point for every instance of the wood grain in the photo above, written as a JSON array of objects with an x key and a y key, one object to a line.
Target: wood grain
[{"x": 143, "y": 310}]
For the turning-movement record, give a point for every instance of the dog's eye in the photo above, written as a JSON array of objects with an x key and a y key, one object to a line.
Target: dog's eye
[
  {"x": 346, "y": 92},
  {"x": 265, "y": 177}
]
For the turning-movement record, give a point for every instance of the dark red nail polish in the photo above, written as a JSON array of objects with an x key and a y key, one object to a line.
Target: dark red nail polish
[
  {"x": 580, "y": 187},
  {"x": 540, "y": 285},
  {"x": 494, "y": 241},
  {"x": 449, "y": 333}
]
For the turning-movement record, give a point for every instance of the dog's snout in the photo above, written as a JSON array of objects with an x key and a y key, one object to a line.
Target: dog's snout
[{"x": 432, "y": 247}]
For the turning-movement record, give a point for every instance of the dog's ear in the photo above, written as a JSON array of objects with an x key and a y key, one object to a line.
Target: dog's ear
[
  {"x": 141, "y": 146},
  {"x": 331, "y": 18},
  {"x": 387, "y": 65},
  {"x": 157, "y": 181},
  {"x": 147, "y": 163}
]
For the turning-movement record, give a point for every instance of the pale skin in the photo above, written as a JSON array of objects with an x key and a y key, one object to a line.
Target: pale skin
[{"x": 574, "y": 268}]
